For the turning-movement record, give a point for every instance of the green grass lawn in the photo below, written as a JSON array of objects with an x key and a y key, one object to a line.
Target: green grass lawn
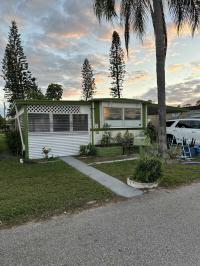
[
  {"x": 3, "y": 145},
  {"x": 96, "y": 159},
  {"x": 174, "y": 174},
  {"x": 34, "y": 191}
]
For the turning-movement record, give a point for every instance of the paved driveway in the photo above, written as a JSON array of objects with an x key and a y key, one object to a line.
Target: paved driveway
[{"x": 159, "y": 228}]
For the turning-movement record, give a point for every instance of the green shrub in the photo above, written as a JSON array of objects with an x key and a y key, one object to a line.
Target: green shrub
[
  {"x": 150, "y": 151},
  {"x": 151, "y": 132},
  {"x": 119, "y": 138},
  {"x": 88, "y": 150},
  {"x": 174, "y": 152},
  {"x": 14, "y": 141},
  {"x": 148, "y": 170},
  {"x": 128, "y": 137},
  {"x": 107, "y": 136}
]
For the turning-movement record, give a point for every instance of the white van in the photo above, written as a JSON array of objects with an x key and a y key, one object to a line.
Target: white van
[{"x": 178, "y": 129}]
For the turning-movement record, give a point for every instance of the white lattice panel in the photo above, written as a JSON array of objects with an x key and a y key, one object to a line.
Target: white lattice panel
[{"x": 57, "y": 109}]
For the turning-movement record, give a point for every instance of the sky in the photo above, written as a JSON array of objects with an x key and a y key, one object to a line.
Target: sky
[{"x": 58, "y": 35}]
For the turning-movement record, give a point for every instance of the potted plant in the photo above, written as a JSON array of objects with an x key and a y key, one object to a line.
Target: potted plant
[
  {"x": 46, "y": 152},
  {"x": 147, "y": 173}
]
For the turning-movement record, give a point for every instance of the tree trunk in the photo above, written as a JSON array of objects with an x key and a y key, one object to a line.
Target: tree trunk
[{"x": 160, "y": 43}]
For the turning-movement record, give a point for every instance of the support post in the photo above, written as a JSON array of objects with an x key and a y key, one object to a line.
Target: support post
[
  {"x": 26, "y": 132},
  {"x": 20, "y": 130},
  {"x": 92, "y": 120}
]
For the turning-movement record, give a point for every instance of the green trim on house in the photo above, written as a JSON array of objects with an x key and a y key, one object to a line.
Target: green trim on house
[
  {"x": 50, "y": 102},
  {"x": 119, "y": 100},
  {"x": 97, "y": 114},
  {"x": 81, "y": 102},
  {"x": 144, "y": 115},
  {"x": 118, "y": 128},
  {"x": 26, "y": 133}
]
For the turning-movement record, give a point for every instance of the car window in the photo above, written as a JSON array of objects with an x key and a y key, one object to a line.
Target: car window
[
  {"x": 195, "y": 124},
  {"x": 169, "y": 123},
  {"x": 184, "y": 124}
]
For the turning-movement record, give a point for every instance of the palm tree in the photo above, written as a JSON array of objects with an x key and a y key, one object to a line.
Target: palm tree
[{"x": 134, "y": 15}]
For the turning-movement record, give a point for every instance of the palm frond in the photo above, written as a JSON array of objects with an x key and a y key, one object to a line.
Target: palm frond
[
  {"x": 105, "y": 9},
  {"x": 185, "y": 11},
  {"x": 125, "y": 17},
  {"x": 134, "y": 15}
]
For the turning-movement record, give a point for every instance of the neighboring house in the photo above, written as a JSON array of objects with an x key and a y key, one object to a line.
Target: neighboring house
[
  {"x": 193, "y": 111},
  {"x": 65, "y": 125},
  {"x": 172, "y": 112}
]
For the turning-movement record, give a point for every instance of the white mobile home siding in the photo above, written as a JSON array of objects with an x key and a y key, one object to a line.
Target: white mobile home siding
[{"x": 60, "y": 143}]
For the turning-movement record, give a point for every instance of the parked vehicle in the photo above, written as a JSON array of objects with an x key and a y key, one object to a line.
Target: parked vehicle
[{"x": 179, "y": 129}]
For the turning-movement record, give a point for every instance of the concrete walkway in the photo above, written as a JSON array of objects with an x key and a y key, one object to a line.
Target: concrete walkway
[{"x": 108, "y": 181}]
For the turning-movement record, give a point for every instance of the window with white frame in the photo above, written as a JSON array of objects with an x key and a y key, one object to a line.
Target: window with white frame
[
  {"x": 113, "y": 113},
  {"x": 39, "y": 122},
  {"x": 80, "y": 122},
  {"x": 132, "y": 113},
  {"x": 61, "y": 122}
]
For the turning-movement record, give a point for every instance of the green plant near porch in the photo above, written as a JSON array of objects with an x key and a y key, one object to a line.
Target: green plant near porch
[
  {"x": 107, "y": 135},
  {"x": 148, "y": 170},
  {"x": 3, "y": 144},
  {"x": 14, "y": 142},
  {"x": 88, "y": 150}
]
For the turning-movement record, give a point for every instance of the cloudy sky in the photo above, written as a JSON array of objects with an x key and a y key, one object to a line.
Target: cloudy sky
[{"x": 58, "y": 35}]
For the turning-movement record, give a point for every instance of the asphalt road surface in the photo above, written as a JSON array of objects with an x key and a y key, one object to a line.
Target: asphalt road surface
[{"x": 158, "y": 228}]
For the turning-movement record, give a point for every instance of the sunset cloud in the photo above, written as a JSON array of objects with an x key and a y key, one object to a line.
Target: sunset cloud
[
  {"x": 175, "y": 68},
  {"x": 180, "y": 93},
  {"x": 70, "y": 93},
  {"x": 137, "y": 76}
]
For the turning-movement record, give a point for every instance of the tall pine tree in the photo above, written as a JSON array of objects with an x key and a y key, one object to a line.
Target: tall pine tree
[
  {"x": 19, "y": 83},
  {"x": 117, "y": 66},
  {"x": 88, "y": 84}
]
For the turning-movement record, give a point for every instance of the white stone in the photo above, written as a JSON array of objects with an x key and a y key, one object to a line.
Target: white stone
[{"x": 139, "y": 185}]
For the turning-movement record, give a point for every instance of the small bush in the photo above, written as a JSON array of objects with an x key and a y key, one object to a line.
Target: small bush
[
  {"x": 151, "y": 151},
  {"x": 119, "y": 138},
  {"x": 107, "y": 136},
  {"x": 128, "y": 137},
  {"x": 148, "y": 170},
  {"x": 88, "y": 150},
  {"x": 174, "y": 152},
  {"x": 14, "y": 142},
  {"x": 151, "y": 132}
]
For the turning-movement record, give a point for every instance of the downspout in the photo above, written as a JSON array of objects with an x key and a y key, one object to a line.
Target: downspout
[
  {"x": 92, "y": 118},
  {"x": 20, "y": 130}
]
